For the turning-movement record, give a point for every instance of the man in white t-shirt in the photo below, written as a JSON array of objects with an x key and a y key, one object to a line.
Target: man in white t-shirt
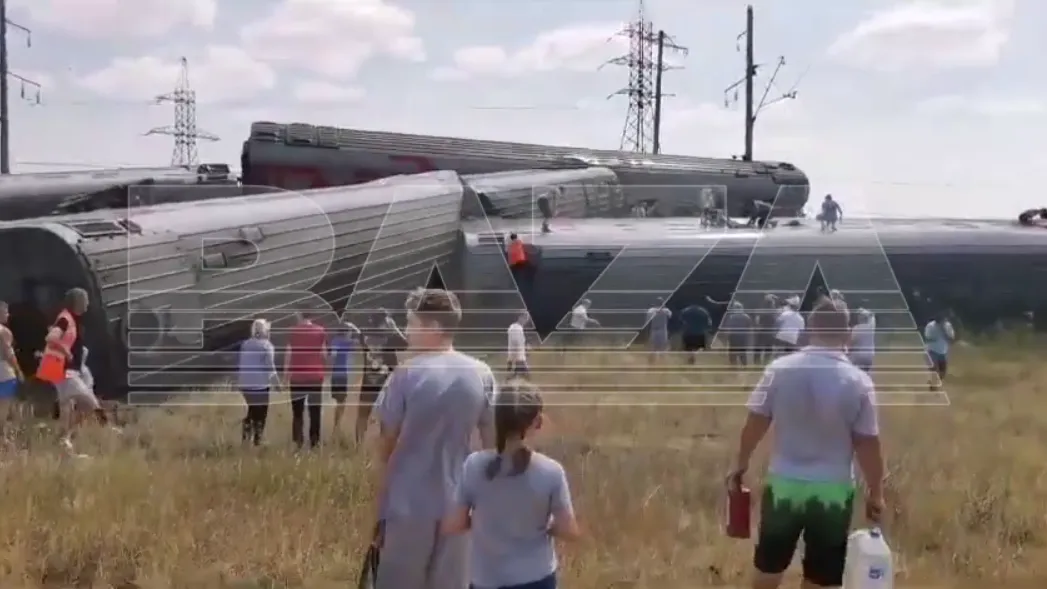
[
  {"x": 516, "y": 350},
  {"x": 580, "y": 320},
  {"x": 790, "y": 326}
]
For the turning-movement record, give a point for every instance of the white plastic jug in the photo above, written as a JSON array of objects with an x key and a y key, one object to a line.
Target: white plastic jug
[{"x": 869, "y": 561}]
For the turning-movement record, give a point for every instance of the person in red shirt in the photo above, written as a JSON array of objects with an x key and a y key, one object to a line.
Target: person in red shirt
[{"x": 305, "y": 366}]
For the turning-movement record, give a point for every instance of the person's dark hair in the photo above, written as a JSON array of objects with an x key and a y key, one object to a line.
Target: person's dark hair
[
  {"x": 513, "y": 236},
  {"x": 517, "y": 406},
  {"x": 437, "y": 306}
]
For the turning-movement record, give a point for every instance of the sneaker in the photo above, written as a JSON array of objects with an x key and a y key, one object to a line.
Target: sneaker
[{"x": 67, "y": 445}]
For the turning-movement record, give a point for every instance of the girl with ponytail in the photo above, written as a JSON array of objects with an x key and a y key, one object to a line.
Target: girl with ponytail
[{"x": 513, "y": 500}]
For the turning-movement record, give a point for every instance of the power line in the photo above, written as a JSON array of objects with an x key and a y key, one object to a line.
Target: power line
[
  {"x": 752, "y": 110},
  {"x": 184, "y": 129},
  {"x": 641, "y": 132},
  {"x": 28, "y": 86}
]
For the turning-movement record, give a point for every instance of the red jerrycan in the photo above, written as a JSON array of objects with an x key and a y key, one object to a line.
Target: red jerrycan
[{"x": 738, "y": 513}]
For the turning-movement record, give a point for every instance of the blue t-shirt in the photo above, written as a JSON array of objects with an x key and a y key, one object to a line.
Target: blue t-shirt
[
  {"x": 342, "y": 348},
  {"x": 511, "y": 544}
]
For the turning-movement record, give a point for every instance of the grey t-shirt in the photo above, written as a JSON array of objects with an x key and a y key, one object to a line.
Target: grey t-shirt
[
  {"x": 437, "y": 401},
  {"x": 737, "y": 327},
  {"x": 511, "y": 544},
  {"x": 817, "y": 400}
]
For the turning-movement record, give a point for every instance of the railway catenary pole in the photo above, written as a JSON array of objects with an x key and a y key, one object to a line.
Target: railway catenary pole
[
  {"x": 750, "y": 73},
  {"x": 5, "y": 75},
  {"x": 753, "y": 109}
]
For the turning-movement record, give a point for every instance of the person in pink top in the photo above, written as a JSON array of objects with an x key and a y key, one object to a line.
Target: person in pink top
[{"x": 305, "y": 366}]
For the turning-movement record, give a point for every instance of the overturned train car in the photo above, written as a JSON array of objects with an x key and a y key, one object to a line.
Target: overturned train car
[
  {"x": 987, "y": 273},
  {"x": 24, "y": 196},
  {"x": 297, "y": 156},
  {"x": 174, "y": 287}
]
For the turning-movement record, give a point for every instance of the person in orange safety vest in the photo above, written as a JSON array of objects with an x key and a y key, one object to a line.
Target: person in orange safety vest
[
  {"x": 517, "y": 252},
  {"x": 61, "y": 365}
]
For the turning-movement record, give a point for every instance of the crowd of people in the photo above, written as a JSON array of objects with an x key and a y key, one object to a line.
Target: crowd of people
[
  {"x": 757, "y": 336},
  {"x": 453, "y": 514}
]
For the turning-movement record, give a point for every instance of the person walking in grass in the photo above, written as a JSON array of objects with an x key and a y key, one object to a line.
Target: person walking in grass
[
  {"x": 61, "y": 364},
  {"x": 427, "y": 414},
  {"x": 823, "y": 409},
  {"x": 342, "y": 360},
  {"x": 737, "y": 328},
  {"x": 256, "y": 376},
  {"x": 513, "y": 501},
  {"x": 516, "y": 346},
  {"x": 305, "y": 366},
  {"x": 658, "y": 318},
  {"x": 790, "y": 327},
  {"x": 382, "y": 344},
  {"x": 765, "y": 321},
  {"x": 862, "y": 347},
  {"x": 938, "y": 336},
  {"x": 10, "y": 373},
  {"x": 696, "y": 324}
]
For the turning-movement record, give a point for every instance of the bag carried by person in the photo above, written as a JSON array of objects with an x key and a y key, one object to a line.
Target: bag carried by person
[
  {"x": 369, "y": 567},
  {"x": 369, "y": 570}
]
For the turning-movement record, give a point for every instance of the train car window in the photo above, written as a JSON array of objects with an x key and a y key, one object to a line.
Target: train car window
[
  {"x": 252, "y": 234},
  {"x": 213, "y": 261},
  {"x": 601, "y": 256},
  {"x": 574, "y": 202},
  {"x": 98, "y": 228},
  {"x": 227, "y": 255},
  {"x": 600, "y": 194}
]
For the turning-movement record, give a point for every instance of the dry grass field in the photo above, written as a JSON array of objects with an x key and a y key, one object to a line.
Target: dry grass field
[{"x": 176, "y": 502}]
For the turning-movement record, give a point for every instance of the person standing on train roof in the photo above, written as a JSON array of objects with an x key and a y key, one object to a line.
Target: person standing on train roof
[
  {"x": 938, "y": 336},
  {"x": 831, "y": 214},
  {"x": 10, "y": 373},
  {"x": 305, "y": 366},
  {"x": 60, "y": 365}
]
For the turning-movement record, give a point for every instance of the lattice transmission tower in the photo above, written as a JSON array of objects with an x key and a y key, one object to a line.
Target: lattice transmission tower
[
  {"x": 645, "y": 60},
  {"x": 184, "y": 129}
]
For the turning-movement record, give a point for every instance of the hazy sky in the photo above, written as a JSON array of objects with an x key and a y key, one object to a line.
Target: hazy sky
[{"x": 931, "y": 107}]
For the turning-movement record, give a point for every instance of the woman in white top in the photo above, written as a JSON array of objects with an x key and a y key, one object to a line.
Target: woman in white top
[{"x": 516, "y": 348}]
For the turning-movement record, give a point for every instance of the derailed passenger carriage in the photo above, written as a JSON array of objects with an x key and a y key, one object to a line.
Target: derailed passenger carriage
[
  {"x": 297, "y": 156},
  {"x": 174, "y": 287},
  {"x": 989, "y": 273},
  {"x": 24, "y": 196},
  {"x": 544, "y": 194}
]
